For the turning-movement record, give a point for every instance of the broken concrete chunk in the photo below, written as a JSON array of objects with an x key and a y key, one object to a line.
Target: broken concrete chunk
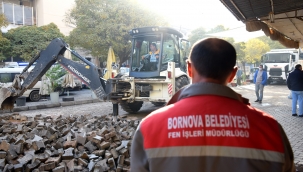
[
  {"x": 104, "y": 145},
  {"x": 120, "y": 160},
  {"x": 57, "y": 160},
  {"x": 97, "y": 139},
  {"x": 18, "y": 168},
  {"x": 2, "y": 154},
  {"x": 4, "y": 145},
  {"x": 33, "y": 165},
  {"x": 68, "y": 154},
  {"x": 81, "y": 139},
  {"x": 91, "y": 165},
  {"x": 99, "y": 152},
  {"x": 37, "y": 138},
  {"x": 17, "y": 148},
  {"x": 90, "y": 147},
  {"x": 71, "y": 143},
  {"x": 70, "y": 165},
  {"x": 111, "y": 163},
  {"x": 82, "y": 162},
  {"x": 84, "y": 156},
  {"x": 2, "y": 163},
  {"x": 59, "y": 169},
  {"x": 114, "y": 153},
  {"x": 38, "y": 146},
  {"x": 25, "y": 159},
  {"x": 41, "y": 157}
]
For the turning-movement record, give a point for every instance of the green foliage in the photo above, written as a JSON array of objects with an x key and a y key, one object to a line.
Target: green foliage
[
  {"x": 105, "y": 23},
  {"x": 218, "y": 28},
  {"x": 196, "y": 35},
  {"x": 240, "y": 47},
  {"x": 272, "y": 44},
  {"x": 201, "y": 33},
  {"x": 3, "y": 21},
  {"x": 4, "y": 48},
  {"x": 53, "y": 74},
  {"x": 27, "y": 41},
  {"x": 254, "y": 49},
  {"x": 4, "y": 43}
]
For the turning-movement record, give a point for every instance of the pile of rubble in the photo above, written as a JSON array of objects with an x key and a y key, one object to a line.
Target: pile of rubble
[{"x": 65, "y": 144}]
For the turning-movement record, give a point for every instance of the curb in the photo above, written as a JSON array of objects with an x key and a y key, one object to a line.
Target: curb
[{"x": 53, "y": 105}]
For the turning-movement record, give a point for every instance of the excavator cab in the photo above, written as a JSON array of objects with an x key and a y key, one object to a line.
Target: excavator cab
[
  {"x": 152, "y": 49},
  {"x": 157, "y": 69}
]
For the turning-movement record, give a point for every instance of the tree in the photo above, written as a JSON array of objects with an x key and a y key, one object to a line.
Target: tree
[
  {"x": 240, "y": 47},
  {"x": 27, "y": 41},
  {"x": 254, "y": 49},
  {"x": 4, "y": 43},
  {"x": 201, "y": 33},
  {"x": 272, "y": 44},
  {"x": 196, "y": 35},
  {"x": 218, "y": 28},
  {"x": 101, "y": 24}
]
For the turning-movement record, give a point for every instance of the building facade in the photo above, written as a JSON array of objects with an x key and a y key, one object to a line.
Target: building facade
[{"x": 37, "y": 12}]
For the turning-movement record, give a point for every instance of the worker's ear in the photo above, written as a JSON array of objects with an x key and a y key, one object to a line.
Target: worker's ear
[
  {"x": 232, "y": 74},
  {"x": 189, "y": 69}
]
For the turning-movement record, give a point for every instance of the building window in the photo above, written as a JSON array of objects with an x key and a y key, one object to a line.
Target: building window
[{"x": 18, "y": 14}]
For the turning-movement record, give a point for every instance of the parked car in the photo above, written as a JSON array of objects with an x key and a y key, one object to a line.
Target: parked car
[{"x": 7, "y": 76}]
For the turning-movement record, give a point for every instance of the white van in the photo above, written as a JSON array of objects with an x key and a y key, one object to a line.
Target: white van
[
  {"x": 11, "y": 64},
  {"x": 7, "y": 76}
]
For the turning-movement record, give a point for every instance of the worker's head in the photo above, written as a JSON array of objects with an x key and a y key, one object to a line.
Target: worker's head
[
  {"x": 153, "y": 47},
  {"x": 212, "y": 60},
  {"x": 261, "y": 67},
  {"x": 298, "y": 66}
]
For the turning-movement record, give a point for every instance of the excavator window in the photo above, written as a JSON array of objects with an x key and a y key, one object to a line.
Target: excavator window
[
  {"x": 171, "y": 50},
  {"x": 146, "y": 53}
]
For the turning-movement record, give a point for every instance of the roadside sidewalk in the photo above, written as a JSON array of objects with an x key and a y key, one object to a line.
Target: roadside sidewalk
[{"x": 80, "y": 97}]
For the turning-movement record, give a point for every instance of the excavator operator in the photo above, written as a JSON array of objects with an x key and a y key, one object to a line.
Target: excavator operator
[{"x": 153, "y": 56}]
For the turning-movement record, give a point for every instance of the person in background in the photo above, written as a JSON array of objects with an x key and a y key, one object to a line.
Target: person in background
[
  {"x": 295, "y": 84},
  {"x": 260, "y": 80},
  {"x": 208, "y": 127},
  {"x": 239, "y": 76}
]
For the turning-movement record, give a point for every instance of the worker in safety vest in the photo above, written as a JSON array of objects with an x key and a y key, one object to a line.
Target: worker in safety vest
[{"x": 208, "y": 127}]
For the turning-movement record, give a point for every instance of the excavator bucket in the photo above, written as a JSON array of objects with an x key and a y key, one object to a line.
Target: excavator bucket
[{"x": 7, "y": 99}]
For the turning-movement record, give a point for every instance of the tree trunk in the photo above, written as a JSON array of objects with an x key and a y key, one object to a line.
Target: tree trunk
[{"x": 243, "y": 64}]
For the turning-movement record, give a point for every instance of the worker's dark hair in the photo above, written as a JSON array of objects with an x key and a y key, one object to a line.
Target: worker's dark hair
[
  {"x": 298, "y": 66},
  {"x": 154, "y": 44},
  {"x": 213, "y": 58}
]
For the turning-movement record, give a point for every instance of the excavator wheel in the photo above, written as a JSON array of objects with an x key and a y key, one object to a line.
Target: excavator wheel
[
  {"x": 131, "y": 107},
  {"x": 181, "y": 82}
]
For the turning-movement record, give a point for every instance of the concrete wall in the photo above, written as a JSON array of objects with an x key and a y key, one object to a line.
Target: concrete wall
[
  {"x": 45, "y": 12},
  {"x": 49, "y": 11}
]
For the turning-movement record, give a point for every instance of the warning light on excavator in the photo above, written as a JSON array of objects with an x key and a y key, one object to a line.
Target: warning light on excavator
[{"x": 169, "y": 74}]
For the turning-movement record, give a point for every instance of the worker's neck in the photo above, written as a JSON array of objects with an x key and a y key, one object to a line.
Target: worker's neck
[{"x": 207, "y": 80}]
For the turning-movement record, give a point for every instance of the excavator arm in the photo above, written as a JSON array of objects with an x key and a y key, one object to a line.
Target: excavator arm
[{"x": 87, "y": 72}]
